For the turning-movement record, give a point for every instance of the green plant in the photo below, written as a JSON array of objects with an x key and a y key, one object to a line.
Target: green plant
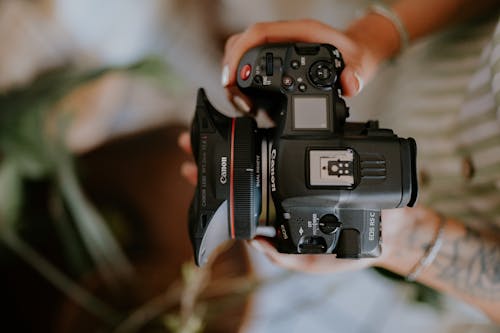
[
  {"x": 32, "y": 151},
  {"x": 29, "y": 151}
]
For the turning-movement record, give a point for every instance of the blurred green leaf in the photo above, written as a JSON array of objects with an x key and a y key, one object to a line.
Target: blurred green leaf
[
  {"x": 27, "y": 151},
  {"x": 156, "y": 69},
  {"x": 10, "y": 194},
  {"x": 193, "y": 324},
  {"x": 110, "y": 260},
  {"x": 421, "y": 293},
  {"x": 71, "y": 289},
  {"x": 33, "y": 154}
]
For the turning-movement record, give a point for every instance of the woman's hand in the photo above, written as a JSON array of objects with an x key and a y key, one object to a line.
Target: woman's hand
[
  {"x": 310, "y": 263},
  {"x": 394, "y": 221},
  {"x": 188, "y": 169},
  {"x": 362, "y": 54}
]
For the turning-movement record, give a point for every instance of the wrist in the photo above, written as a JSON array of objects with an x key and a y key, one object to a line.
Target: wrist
[
  {"x": 377, "y": 38},
  {"x": 406, "y": 234}
]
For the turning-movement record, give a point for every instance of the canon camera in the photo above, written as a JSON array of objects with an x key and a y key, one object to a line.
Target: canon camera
[{"x": 314, "y": 182}]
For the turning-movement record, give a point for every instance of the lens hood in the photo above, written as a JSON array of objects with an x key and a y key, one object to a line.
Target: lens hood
[{"x": 224, "y": 205}]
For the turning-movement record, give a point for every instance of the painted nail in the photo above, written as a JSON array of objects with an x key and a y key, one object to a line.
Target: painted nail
[
  {"x": 188, "y": 168},
  {"x": 184, "y": 140},
  {"x": 225, "y": 76},
  {"x": 266, "y": 231},
  {"x": 241, "y": 104},
  {"x": 262, "y": 246},
  {"x": 256, "y": 245},
  {"x": 360, "y": 82}
]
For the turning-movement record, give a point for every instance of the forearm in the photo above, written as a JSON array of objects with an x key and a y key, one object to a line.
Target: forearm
[
  {"x": 419, "y": 18},
  {"x": 423, "y": 17},
  {"x": 467, "y": 264}
]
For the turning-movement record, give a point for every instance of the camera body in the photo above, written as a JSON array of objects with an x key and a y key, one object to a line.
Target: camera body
[{"x": 318, "y": 181}]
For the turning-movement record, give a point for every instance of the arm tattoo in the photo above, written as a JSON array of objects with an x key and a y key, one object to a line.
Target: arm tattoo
[{"x": 471, "y": 263}]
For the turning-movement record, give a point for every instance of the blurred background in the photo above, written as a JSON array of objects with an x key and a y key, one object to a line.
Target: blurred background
[{"x": 93, "y": 211}]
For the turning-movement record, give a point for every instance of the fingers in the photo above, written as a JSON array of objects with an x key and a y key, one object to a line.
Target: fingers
[
  {"x": 290, "y": 31},
  {"x": 270, "y": 32},
  {"x": 239, "y": 101},
  {"x": 310, "y": 263},
  {"x": 188, "y": 169},
  {"x": 294, "y": 262},
  {"x": 225, "y": 68},
  {"x": 184, "y": 141},
  {"x": 351, "y": 82},
  {"x": 231, "y": 41},
  {"x": 190, "y": 172},
  {"x": 288, "y": 261}
]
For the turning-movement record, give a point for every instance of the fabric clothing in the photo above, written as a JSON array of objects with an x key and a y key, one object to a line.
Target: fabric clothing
[{"x": 447, "y": 96}]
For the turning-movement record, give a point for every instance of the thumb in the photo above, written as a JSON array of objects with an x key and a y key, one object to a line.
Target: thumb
[{"x": 351, "y": 82}]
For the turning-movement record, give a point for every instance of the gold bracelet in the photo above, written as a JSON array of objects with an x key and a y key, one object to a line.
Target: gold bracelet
[
  {"x": 385, "y": 11},
  {"x": 430, "y": 253}
]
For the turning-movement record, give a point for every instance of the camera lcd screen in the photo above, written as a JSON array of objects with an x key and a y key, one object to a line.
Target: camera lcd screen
[{"x": 310, "y": 112}]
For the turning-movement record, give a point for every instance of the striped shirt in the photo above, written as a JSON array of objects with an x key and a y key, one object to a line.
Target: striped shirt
[{"x": 447, "y": 96}]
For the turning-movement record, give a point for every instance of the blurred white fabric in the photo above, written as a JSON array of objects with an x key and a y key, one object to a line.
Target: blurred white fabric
[{"x": 357, "y": 302}]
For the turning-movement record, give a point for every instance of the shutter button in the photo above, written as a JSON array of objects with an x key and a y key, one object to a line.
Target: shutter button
[
  {"x": 245, "y": 72},
  {"x": 287, "y": 81}
]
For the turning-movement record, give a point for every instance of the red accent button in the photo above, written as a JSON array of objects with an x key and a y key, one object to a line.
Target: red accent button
[{"x": 245, "y": 72}]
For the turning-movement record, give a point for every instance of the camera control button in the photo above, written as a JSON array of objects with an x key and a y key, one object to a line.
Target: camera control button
[
  {"x": 329, "y": 224},
  {"x": 245, "y": 72},
  {"x": 269, "y": 64},
  {"x": 257, "y": 79},
  {"x": 312, "y": 245},
  {"x": 322, "y": 73},
  {"x": 307, "y": 48},
  {"x": 302, "y": 87},
  {"x": 295, "y": 64},
  {"x": 287, "y": 81}
]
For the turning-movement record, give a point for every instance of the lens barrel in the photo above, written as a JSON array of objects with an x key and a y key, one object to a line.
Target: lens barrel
[
  {"x": 243, "y": 178},
  {"x": 226, "y": 203}
]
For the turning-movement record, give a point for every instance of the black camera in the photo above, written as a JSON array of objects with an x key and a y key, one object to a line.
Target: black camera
[{"x": 318, "y": 182}]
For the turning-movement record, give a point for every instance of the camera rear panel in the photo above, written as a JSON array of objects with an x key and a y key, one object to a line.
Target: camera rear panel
[{"x": 297, "y": 83}]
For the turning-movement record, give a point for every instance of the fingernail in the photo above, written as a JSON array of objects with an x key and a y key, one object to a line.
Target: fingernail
[
  {"x": 241, "y": 104},
  {"x": 360, "y": 82},
  {"x": 266, "y": 231},
  {"x": 256, "y": 245},
  {"x": 184, "y": 139},
  {"x": 187, "y": 168},
  {"x": 225, "y": 76}
]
